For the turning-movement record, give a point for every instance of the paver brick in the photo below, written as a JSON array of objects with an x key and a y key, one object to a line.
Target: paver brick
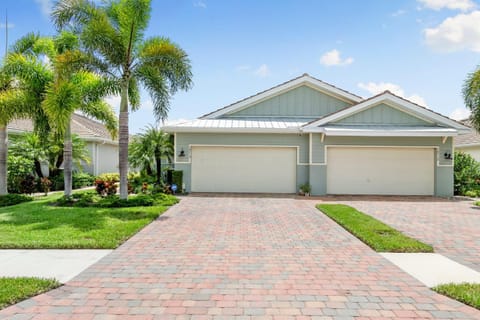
[{"x": 252, "y": 258}]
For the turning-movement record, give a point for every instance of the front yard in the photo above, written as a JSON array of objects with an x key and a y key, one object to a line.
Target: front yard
[
  {"x": 13, "y": 290},
  {"x": 40, "y": 225}
]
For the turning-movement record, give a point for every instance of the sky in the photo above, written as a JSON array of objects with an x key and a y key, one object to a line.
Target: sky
[{"x": 419, "y": 49}]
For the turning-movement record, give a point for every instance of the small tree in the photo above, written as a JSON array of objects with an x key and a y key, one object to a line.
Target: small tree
[{"x": 466, "y": 173}]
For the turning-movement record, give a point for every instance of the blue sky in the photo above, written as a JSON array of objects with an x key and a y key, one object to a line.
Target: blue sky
[{"x": 420, "y": 49}]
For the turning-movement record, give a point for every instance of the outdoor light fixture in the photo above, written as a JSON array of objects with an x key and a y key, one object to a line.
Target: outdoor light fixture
[
  {"x": 181, "y": 154},
  {"x": 447, "y": 156}
]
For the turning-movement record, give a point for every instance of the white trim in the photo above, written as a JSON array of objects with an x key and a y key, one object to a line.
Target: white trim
[
  {"x": 471, "y": 145},
  {"x": 444, "y": 139},
  {"x": 385, "y": 98},
  {"x": 231, "y": 130},
  {"x": 405, "y": 132},
  {"x": 303, "y": 80},
  {"x": 322, "y": 137}
]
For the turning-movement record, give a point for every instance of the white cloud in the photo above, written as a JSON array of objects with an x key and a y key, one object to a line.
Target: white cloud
[
  {"x": 460, "y": 114},
  {"x": 376, "y": 88},
  {"x": 45, "y": 6},
  {"x": 460, "y": 32},
  {"x": 200, "y": 4},
  {"x": 262, "y": 71},
  {"x": 332, "y": 58},
  {"x": 463, "y": 5},
  {"x": 399, "y": 12}
]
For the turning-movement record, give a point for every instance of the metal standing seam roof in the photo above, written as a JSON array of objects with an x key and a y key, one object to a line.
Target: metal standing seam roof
[
  {"x": 236, "y": 124},
  {"x": 86, "y": 128}
]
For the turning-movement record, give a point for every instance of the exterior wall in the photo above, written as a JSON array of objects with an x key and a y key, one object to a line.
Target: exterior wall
[
  {"x": 383, "y": 115},
  {"x": 474, "y": 151},
  {"x": 107, "y": 158},
  {"x": 443, "y": 167},
  {"x": 299, "y": 102},
  {"x": 184, "y": 141}
]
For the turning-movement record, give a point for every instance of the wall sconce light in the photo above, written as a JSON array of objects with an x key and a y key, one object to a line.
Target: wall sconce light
[
  {"x": 447, "y": 156},
  {"x": 181, "y": 154}
]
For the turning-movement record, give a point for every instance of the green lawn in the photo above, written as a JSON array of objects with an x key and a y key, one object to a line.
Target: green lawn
[
  {"x": 37, "y": 224},
  {"x": 468, "y": 293},
  {"x": 13, "y": 290},
  {"x": 377, "y": 235}
]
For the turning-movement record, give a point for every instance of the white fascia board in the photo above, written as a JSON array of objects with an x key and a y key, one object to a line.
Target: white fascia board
[
  {"x": 276, "y": 90},
  {"x": 229, "y": 130},
  {"x": 469, "y": 145},
  {"x": 391, "y": 133},
  {"x": 400, "y": 103}
]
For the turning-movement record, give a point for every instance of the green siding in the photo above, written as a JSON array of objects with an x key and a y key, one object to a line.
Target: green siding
[
  {"x": 315, "y": 174},
  {"x": 383, "y": 114},
  {"x": 302, "y": 101}
]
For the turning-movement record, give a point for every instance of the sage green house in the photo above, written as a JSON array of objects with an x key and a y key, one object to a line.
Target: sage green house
[{"x": 308, "y": 131}]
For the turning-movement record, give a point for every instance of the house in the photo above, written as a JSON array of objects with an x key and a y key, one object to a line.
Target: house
[
  {"x": 308, "y": 131},
  {"x": 468, "y": 143},
  {"x": 102, "y": 149}
]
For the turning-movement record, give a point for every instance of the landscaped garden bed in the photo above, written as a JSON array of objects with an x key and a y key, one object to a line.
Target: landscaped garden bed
[{"x": 374, "y": 233}]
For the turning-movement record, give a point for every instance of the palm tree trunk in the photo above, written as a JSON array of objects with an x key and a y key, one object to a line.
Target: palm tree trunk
[
  {"x": 123, "y": 141},
  {"x": 3, "y": 159},
  {"x": 67, "y": 161},
  {"x": 158, "y": 161}
]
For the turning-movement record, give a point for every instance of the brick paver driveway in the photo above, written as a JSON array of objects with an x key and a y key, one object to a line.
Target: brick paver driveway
[
  {"x": 242, "y": 258},
  {"x": 452, "y": 227}
]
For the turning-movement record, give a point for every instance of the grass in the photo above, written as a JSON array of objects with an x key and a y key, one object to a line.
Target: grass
[
  {"x": 38, "y": 225},
  {"x": 468, "y": 293},
  {"x": 377, "y": 235},
  {"x": 13, "y": 290}
]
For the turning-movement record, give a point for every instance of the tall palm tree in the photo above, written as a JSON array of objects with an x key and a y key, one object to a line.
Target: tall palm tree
[
  {"x": 147, "y": 150},
  {"x": 114, "y": 34},
  {"x": 471, "y": 96},
  {"x": 14, "y": 102},
  {"x": 68, "y": 86}
]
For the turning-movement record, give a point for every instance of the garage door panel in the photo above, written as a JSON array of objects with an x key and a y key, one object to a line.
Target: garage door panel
[
  {"x": 381, "y": 170},
  {"x": 244, "y": 169}
]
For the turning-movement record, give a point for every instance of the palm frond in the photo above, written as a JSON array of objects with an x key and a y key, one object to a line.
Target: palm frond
[
  {"x": 157, "y": 89},
  {"x": 471, "y": 96}
]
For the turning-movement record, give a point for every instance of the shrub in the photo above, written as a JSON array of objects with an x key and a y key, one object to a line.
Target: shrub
[
  {"x": 466, "y": 173},
  {"x": 82, "y": 180},
  {"x": 177, "y": 178},
  {"x": 58, "y": 181},
  {"x": 28, "y": 184},
  {"x": 92, "y": 199},
  {"x": 18, "y": 169},
  {"x": 13, "y": 199},
  {"x": 471, "y": 193},
  {"x": 45, "y": 184},
  {"x": 113, "y": 177}
]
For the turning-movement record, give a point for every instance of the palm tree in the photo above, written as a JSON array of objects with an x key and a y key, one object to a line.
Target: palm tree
[
  {"x": 68, "y": 86},
  {"x": 114, "y": 34},
  {"x": 471, "y": 96},
  {"x": 147, "y": 150},
  {"x": 14, "y": 103}
]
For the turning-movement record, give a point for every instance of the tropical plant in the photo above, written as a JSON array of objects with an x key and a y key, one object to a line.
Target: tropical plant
[
  {"x": 471, "y": 96},
  {"x": 466, "y": 173},
  {"x": 70, "y": 87},
  {"x": 114, "y": 33},
  {"x": 14, "y": 103},
  {"x": 147, "y": 150}
]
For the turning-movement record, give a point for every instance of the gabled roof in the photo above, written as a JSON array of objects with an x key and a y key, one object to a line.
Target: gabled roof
[
  {"x": 304, "y": 79},
  {"x": 86, "y": 128},
  {"x": 390, "y": 99}
]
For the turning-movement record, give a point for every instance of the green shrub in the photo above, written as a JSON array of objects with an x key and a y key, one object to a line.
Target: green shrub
[
  {"x": 466, "y": 173},
  {"x": 471, "y": 193},
  {"x": 92, "y": 199},
  {"x": 13, "y": 199},
  {"x": 18, "y": 169},
  {"x": 82, "y": 180},
  {"x": 58, "y": 182},
  {"x": 113, "y": 177}
]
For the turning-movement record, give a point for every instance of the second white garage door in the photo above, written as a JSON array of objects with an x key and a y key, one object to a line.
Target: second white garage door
[
  {"x": 382, "y": 170},
  {"x": 244, "y": 169}
]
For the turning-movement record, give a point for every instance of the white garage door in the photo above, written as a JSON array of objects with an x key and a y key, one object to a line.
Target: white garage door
[
  {"x": 383, "y": 171},
  {"x": 244, "y": 169}
]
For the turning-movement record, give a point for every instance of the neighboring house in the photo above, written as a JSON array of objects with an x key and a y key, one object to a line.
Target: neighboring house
[
  {"x": 308, "y": 131},
  {"x": 102, "y": 149},
  {"x": 468, "y": 143}
]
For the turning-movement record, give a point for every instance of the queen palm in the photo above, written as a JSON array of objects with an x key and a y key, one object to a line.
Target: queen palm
[
  {"x": 471, "y": 96},
  {"x": 114, "y": 34},
  {"x": 69, "y": 86}
]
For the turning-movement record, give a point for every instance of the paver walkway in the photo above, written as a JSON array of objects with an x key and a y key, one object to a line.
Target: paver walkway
[
  {"x": 242, "y": 258},
  {"x": 452, "y": 227}
]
